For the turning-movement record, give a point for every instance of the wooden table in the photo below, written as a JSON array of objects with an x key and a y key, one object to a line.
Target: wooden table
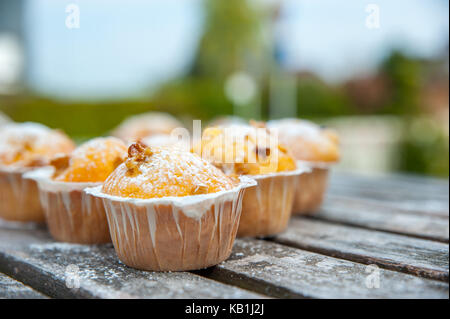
[{"x": 384, "y": 237}]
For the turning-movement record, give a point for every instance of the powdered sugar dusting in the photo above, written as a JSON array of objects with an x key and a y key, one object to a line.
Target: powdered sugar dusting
[
  {"x": 21, "y": 143},
  {"x": 167, "y": 172},
  {"x": 297, "y": 128},
  {"x": 94, "y": 160},
  {"x": 306, "y": 140}
]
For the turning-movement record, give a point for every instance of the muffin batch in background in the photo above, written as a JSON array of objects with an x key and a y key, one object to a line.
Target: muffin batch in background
[
  {"x": 254, "y": 152},
  {"x": 166, "y": 205},
  {"x": 318, "y": 148},
  {"x": 25, "y": 147},
  {"x": 147, "y": 124},
  {"x": 72, "y": 215},
  {"x": 169, "y": 210}
]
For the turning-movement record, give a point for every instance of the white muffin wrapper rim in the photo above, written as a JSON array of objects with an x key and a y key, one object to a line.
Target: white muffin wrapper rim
[
  {"x": 43, "y": 177},
  {"x": 180, "y": 202}
]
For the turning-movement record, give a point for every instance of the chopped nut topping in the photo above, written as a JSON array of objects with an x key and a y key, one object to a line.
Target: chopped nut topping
[
  {"x": 132, "y": 167},
  {"x": 137, "y": 152},
  {"x": 136, "y": 149},
  {"x": 148, "y": 151}
]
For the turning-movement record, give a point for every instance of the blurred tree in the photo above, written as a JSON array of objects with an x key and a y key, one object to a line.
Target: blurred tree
[
  {"x": 404, "y": 76},
  {"x": 233, "y": 40},
  {"x": 315, "y": 98}
]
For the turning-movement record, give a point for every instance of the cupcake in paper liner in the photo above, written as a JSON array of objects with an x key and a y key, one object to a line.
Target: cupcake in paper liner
[
  {"x": 146, "y": 124},
  {"x": 71, "y": 214},
  {"x": 169, "y": 210},
  {"x": 313, "y": 146},
  {"x": 23, "y": 148},
  {"x": 251, "y": 150}
]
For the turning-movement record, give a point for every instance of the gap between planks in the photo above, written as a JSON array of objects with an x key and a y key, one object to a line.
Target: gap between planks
[
  {"x": 287, "y": 272},
  {"x": 414, "y": 256},
  {"x": 13, "y": 289},
  {"x": 35, "y": 259},
  {"x": 366, "y": 215},
  {"x": 380, "y": 229}
]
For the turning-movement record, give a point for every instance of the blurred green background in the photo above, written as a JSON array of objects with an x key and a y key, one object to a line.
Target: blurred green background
[{"x": 391, "y": 118}]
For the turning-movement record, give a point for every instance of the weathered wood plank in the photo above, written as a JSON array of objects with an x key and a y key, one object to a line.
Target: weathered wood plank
[
  {"x": 429, "y": 196},
  {"x": 422, "y": 186},
  {"x": 331, "y": 198},
  {"x": 32, "y": 257},
  {"x": 288, "y": 272},
  {"x": 13, "y": 289},
  {"x": 364, "y": 214},
  {"x": 415, "y": 256},
  {"x": 395, "y": 200}
]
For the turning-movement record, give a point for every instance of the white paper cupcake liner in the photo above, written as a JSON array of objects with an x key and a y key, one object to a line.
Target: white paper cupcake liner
[
  {"x": 71, "y": 214},
  {"x": 311, "y": 188},
  {"x": 268, "y": 206},
  {"x": 19, "y": 197},
  {"x": 174, "y": 233}
]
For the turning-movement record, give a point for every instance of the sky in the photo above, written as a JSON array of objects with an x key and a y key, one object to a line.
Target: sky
[{"x": 123, "y": 48}]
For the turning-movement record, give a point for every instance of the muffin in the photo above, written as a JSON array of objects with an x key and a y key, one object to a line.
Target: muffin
[
  {"x": 254, "y": 151},
  {"x": 169, "y": 210},
  {"x": 319, "y": 149},
  {"x": 24, "y": 147},
  {"x": 227, "y": 120},
  {"x": 143, "y": 125},
  {"x": 72, "y": 215},
  {"x": 165, "y": 140}
]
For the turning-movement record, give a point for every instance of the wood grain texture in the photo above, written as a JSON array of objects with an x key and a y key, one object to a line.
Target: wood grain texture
[
  {"x": 13, "y": 289},
  {"x": 398, "y": 223},
  {"x": 287, "y": 272},
  {"x": 429, "y": 196},
  {"x": 411, "y": 255},
  {"x": 380, "y": 205},
  {"x": 365, "y": 214},
  {"x": 32, "y": 257},
  {"x": 425, "y": 186}
]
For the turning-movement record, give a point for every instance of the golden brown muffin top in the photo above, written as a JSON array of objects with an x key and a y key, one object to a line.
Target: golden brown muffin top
[
  {"x": 156, "y": 172},
  {"x": 307, "y": 141},
  {"x": 92, "y": 161},
  {"x": 31, "y": 144},
  {"x": 244, "y": 150}
]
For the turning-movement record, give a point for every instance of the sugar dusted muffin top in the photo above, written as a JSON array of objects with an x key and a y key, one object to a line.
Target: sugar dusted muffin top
[
  {"x": 306, "y": 140},
  {"x": 92, "y": 161},
  {"x": 245, "y": 150},
  {"x": 31, "y": 144},
  {"x": 155, "y": 172}
]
